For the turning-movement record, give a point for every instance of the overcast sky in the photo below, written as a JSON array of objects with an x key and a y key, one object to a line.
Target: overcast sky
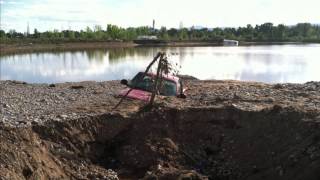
[{"x": 77, "y": 14}]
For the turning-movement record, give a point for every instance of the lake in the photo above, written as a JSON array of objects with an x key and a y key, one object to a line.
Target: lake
[{"x": 294, "y": 63}]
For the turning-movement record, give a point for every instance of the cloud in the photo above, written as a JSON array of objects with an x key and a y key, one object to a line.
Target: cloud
[
  {"x": 49, "y": 18},
  {"x": 10, "y": 2},
  {"x": 50, "y": 14}
]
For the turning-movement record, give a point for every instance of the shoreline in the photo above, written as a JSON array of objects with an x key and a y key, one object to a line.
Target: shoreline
[
  {"x": 38, "y": 47},
  {"x": 6, "y": 49}
]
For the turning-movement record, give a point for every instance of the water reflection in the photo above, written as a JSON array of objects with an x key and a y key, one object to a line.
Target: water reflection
[{"x": 272, "y": 63}]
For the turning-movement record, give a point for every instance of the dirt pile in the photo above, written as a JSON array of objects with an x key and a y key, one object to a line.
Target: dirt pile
[
  {"x": 222, "y": 130},
  {"x": 221, "y": 142}
]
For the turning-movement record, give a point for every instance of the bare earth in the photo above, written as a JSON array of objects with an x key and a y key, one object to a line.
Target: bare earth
[
  {"x": 222, "y": 130},
  {"x": 37, "y": 47}
]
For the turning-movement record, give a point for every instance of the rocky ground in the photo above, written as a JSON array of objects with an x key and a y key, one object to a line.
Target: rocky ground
[
  {"x": 222, "y": 130},
  {"x": 24, "y": 104}
]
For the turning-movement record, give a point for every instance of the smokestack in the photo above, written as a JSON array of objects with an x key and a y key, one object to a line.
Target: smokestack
[
  {"x": 181, "y": 25},
  {"x": 153, "y": 24},
  {"x": 28, "y": 29}
]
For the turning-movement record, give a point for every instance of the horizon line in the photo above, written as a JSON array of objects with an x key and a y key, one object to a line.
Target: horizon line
[{"x": 197, "y": 27}]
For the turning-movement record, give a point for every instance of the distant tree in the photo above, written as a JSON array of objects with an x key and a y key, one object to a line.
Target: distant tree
[
  {"x": 183, "y": 34},
  {"x": 83, "y": 35},
  {"x": 113, "y": 31},
  {"x": 263, "y": 32},
  {"x": 36, "y": 33},
  {"x": 2, "y": 34},
  {"x": 12, "y": 33},
  {"x": 89, "y": 33},
  {"x": 163, "y": 34},
  {"x": 69, "y": 34},
  {"x": 304, "y": 29},
  {"x": 56, "y": 34},
  {"x": 229, "y": 33},
  {"x": 266, "y": 31},
  {"x": 248, "y": 33},
  {"x": 98, "y": 33},
  {"x": 173, "y": 33},
  {"x": 130, "y": 34},
  {"x": 143, "y": 30},
  {"x": 280, "y": 32}
]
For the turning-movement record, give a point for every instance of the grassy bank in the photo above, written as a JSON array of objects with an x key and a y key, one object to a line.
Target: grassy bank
[
  {"x": 36, "y": 47},
  {"x": 26, "y": 47}
]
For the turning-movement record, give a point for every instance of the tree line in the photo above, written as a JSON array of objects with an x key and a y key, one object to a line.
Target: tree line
[{"x": 267, "y": 32}]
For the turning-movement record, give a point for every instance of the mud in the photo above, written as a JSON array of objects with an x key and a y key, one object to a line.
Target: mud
[{"x": 217, "y": 142}]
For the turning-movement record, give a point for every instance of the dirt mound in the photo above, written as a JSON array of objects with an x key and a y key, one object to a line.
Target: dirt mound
[{"x": 190, "y": 143}]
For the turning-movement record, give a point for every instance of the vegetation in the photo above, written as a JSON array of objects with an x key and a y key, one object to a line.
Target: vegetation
[{"x": 267, "y": 32}]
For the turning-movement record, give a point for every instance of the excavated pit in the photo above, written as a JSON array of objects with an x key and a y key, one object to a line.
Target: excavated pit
[{"x": 193, "y": 143}]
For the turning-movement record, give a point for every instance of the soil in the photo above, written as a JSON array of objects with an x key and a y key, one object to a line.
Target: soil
[
  {"x": 38, "y": 47},
  {"x": 222, "y": 130}
]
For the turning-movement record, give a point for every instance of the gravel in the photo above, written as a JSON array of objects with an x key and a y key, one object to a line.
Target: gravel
[{"x": 23, "y": 104}]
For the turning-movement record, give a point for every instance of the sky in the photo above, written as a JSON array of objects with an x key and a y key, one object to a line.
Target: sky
[{"x": 78, "y": 14}]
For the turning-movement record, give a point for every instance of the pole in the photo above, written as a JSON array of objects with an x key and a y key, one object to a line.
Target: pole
[{"x": 155, "y": 86}]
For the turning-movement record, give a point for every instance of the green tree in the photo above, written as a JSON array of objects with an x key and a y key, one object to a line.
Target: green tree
[
  {"x": 304, "y": 29},
  {"x": 83, "y": 35},
  {"x": 173, "y": 33},
  {"x": 263, "y": 32},
  {"x": 183, "y": 34},
  {"x": 113, "y": 31},
  {"x": 12, "y": 33},
  {"x": 248, "y": 33},
  {"x": 70, "y": 35},
  {"x": 266, "y": 31},
  {"x": 280, "y": 32},
  {"x": 89, "y": 33},
  {"x": 2, "y": 34},
  {"x": 98, "y": 34},
  {"x": 56, "y": 34},
  {"x": 130, "y": 34},
  {"x": 36, "y": 33}
]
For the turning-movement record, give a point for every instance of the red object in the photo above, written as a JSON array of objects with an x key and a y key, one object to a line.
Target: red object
[
  {"x": 136, "y": 94},
  {"x": 145, "y": 95}
]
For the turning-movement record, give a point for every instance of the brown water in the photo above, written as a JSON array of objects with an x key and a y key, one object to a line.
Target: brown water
[{"x": 265, "y": 63}]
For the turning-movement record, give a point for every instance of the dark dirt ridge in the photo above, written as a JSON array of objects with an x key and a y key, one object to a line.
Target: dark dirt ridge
[{"x": 166, "y": 143}]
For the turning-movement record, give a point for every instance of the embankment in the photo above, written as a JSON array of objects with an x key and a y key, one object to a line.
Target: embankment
[
  {"x": 222, "y": 130},
  {"x": 38, "y": 47},
  {"x": 165, "y": 143},
  {"x": 59, "y": 46}
]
